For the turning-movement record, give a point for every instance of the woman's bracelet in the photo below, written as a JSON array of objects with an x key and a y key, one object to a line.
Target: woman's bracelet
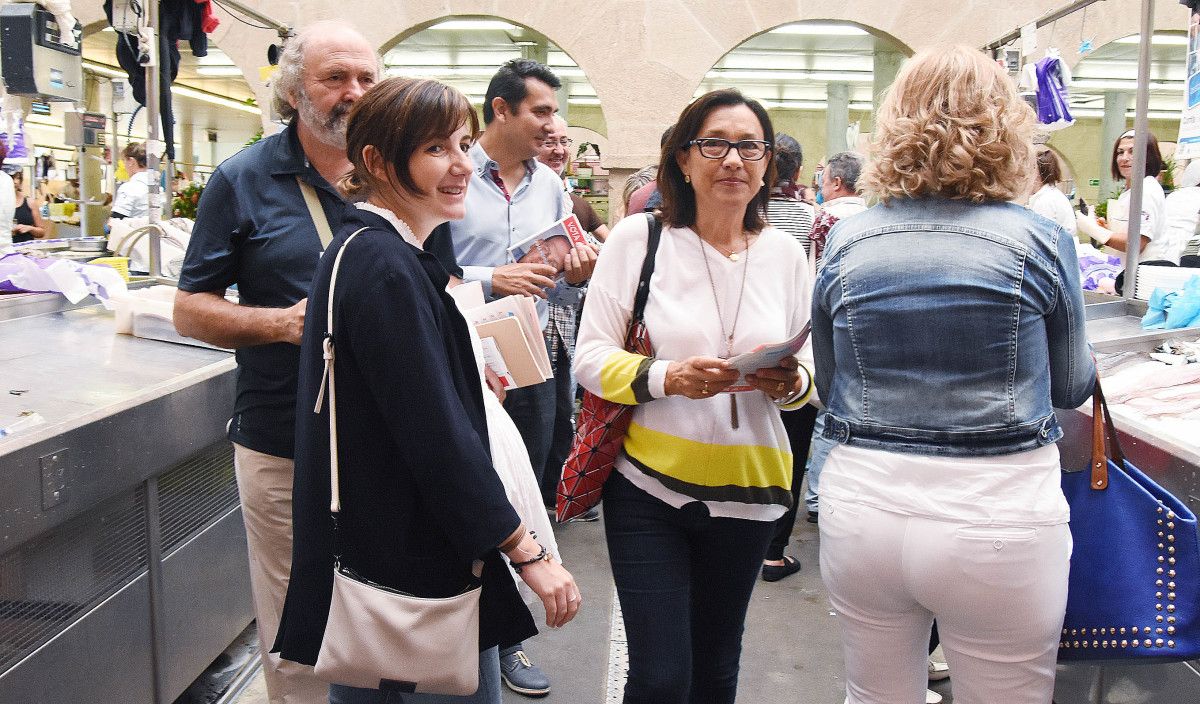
[{"x": 543, "y": 554}]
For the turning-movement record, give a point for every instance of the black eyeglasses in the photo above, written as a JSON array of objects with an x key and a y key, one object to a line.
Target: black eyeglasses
[
  {"x": 565, "y": 143},
  {"x": 717, "y": 148}
]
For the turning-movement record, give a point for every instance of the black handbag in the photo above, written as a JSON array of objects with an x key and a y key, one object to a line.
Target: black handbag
[{"x": 1134, "y": 589}]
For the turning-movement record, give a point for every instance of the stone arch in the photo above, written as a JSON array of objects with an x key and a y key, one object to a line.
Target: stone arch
[{"x": 415, "y": 29}]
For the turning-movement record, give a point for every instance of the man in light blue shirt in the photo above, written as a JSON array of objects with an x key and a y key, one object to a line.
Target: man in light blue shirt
[{"x": 511, "y": 197}]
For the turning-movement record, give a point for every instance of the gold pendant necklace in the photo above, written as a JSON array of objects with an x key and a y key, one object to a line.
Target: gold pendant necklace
[
  {"x": 733, "y": 256},
  {"x": 728, "y": 337}
]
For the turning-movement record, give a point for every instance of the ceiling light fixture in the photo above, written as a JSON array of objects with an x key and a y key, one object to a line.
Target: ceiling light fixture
[
  {"x": 179, "y": 89},
  {"x": 783, "y": 75},
  {"x": 819, "y": 29},
  {"x": 1156, "y": 40},
  {"x": 214, "y": 99},
  {"x": 218, "y": 71},
  {"x": 475, "y": 26}
]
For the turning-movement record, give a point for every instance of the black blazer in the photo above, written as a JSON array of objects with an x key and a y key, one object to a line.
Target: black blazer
[{"x": 420, "y": 498}]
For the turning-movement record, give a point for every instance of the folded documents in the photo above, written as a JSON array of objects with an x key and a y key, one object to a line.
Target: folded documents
[
  {"x": 513, "y": 346},
  {"x": 766, "y": 357}
]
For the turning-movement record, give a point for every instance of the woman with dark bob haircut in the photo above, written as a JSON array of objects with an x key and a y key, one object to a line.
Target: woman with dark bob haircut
[
  {"x": 947, "y": 326},
  {"x": 706, "y": 467},
  {"x": 420, "y": 499},
  {"x": 1115, "y": 231}
]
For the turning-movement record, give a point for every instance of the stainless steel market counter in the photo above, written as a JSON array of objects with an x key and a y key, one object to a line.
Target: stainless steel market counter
[{"x": 123, "y": 567}]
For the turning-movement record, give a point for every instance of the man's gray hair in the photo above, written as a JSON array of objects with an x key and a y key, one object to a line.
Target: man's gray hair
[
  {"x": 289, "y": 79},
  {"x": 847, "y": 166}
]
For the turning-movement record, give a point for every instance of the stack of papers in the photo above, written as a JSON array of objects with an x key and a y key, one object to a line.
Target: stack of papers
[
  {"x": 511, "y": 336},
  {"x": 766, "y": 357}
]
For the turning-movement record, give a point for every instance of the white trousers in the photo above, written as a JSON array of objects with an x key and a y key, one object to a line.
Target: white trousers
[{"x": 998, "y": 594}]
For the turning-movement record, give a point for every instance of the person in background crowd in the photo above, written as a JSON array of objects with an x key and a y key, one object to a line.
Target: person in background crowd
[
  {"x": 556, "y": 153},
  {"x": 133, "y": 196},
  {"x": 785, "y": 210},
  {"x": 840, "y": 195},
  {"x": 692, "y": 503},
  {"x": 647, "y": 198},
  {"x": 513, "y": 196},
  {"x": 942, "y": 498},
  {"x": 262, "y": 224},
  {"x": 1114, "y": 232},
  {"x": 1046, "y": 199},
  {"x": 1182, "y": 212},
  {"x": 794, "y": 217},
  {"x": 27, "y": 217},
  {"x": 637, "y": 180},
  {"x": 7, "y": 200},
  {"x": 560, "y": 331},
  {"x": 421, "y": 500}
]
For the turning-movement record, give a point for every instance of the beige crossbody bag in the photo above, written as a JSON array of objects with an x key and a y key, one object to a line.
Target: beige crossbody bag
[{"x": 381, "y": 638}]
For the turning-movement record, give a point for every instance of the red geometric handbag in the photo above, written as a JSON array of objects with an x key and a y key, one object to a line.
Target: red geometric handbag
[{"x": 600, "y": 430}]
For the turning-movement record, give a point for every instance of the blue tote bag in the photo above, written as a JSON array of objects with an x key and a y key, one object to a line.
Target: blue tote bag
[{"x": 1134, "y": 591}]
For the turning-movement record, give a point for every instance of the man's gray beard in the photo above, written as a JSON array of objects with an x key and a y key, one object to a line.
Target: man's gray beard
[{"x": 329, "y": 128}]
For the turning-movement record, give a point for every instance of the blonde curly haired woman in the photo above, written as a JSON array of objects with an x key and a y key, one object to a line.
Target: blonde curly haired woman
[{"x": 947, "y": 326}]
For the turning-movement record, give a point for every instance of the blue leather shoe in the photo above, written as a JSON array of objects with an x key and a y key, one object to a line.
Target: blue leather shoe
[{"x": 522, "y": 676}]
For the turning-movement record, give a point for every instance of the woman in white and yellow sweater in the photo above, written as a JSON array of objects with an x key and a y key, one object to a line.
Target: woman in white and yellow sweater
[{"x": 705, "y": 472}]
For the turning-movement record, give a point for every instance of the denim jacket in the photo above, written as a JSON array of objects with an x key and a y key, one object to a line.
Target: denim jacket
[{"x": 943, "y": 327}]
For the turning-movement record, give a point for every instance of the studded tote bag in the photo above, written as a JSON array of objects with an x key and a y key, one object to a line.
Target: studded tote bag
[
  {"x": 1134, "y": 590},
  {"x": 381, "y": 638},
  {"x": 600, "y": 430}
]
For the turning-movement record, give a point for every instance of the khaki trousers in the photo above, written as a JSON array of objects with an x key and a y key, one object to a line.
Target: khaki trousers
[{"x": 265, "y": 486}]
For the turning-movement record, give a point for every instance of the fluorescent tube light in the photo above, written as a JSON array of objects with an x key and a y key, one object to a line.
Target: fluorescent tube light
[
  {"x": 475, "y": 26},
  {"x": 218, "y": 71},
  {"x": 747, "y": 74},
  {"x": 1156, "y": 40},
  {"x": 214, "y": 99},
  {"x": 819, "y": 29},
  {"x": 179, "y": 89}
]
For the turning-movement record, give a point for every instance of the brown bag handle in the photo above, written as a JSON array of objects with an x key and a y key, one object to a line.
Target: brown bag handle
[{"x": 1102, "y": 429}]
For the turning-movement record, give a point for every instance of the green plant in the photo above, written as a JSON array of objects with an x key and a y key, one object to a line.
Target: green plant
[
  {"x": 185, "y": 202},
  {"x": 257, "y": 136},
  {"x": 1167, "y": 176},
  {"x": 584, "y": 146}
]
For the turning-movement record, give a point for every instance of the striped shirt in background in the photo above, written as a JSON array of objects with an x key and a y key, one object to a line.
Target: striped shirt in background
[{"x": 794, "y": 217}]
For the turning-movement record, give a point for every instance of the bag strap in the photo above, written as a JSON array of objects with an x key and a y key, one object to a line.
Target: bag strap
[
  {"x": 643, "y": 287},
  {"x": 316, "y": 212},
  {"x": 327, "y": 351},
  {"x": 1103, "y": 430}
]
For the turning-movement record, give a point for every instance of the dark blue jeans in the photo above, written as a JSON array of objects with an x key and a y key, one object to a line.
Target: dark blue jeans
[
  {"x": 684, "y": 581},
  {"x": 562, "y": 429}
]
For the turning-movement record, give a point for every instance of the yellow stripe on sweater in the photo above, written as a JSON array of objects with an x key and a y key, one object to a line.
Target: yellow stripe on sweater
[
  {"x": 703, "y": 464},
  {"x": 617, "y": 376}
]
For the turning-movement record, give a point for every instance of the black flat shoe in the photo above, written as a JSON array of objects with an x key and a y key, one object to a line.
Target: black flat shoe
[{"x": 774, "y": 573}]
